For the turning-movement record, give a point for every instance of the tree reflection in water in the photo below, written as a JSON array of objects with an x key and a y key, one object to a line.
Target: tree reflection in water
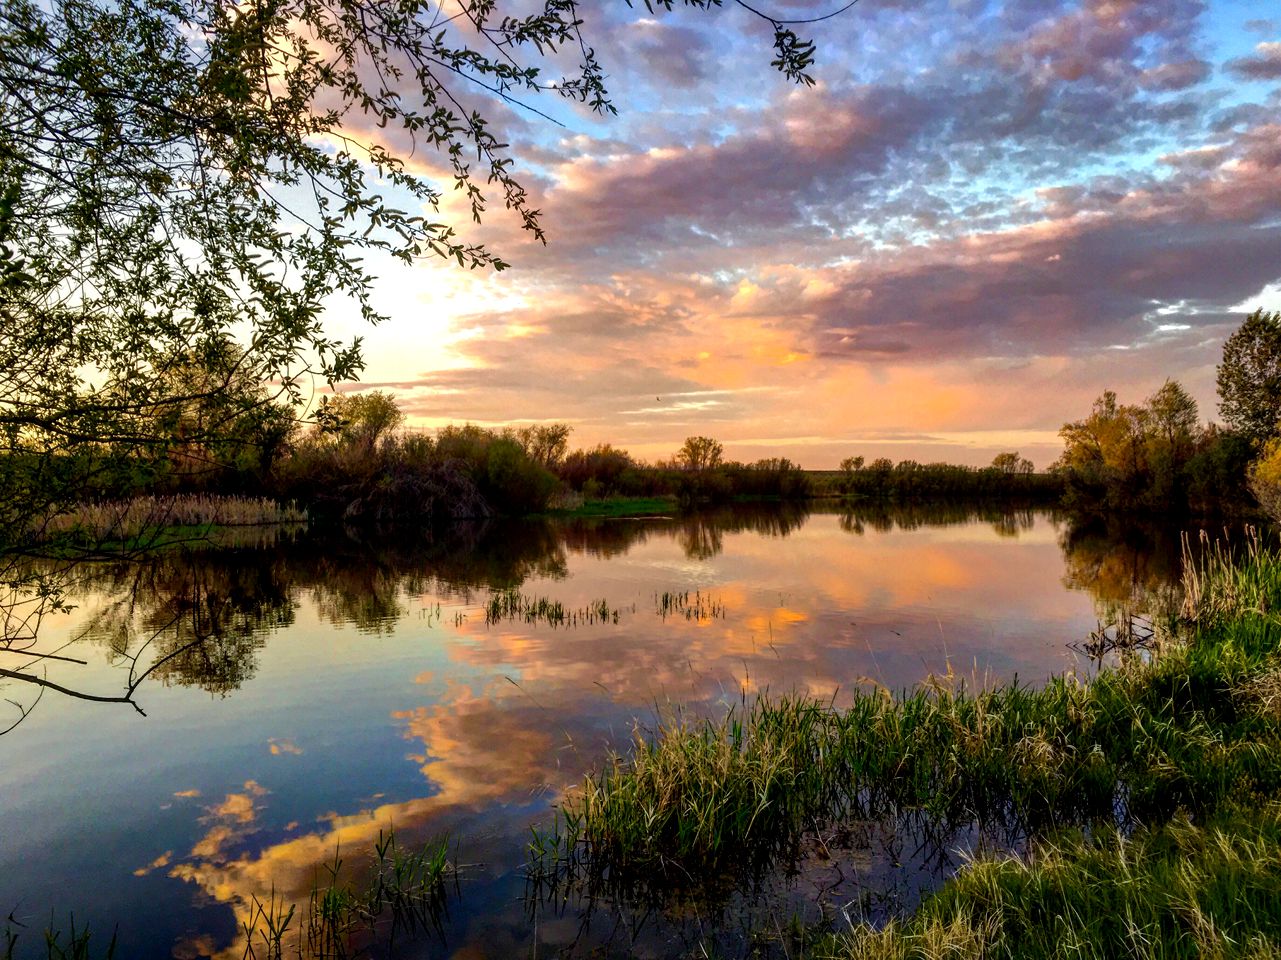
[{"x": 199, "y": 617}]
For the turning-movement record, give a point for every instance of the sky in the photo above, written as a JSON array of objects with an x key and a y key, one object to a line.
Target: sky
[{"x": 982, "y": 215}]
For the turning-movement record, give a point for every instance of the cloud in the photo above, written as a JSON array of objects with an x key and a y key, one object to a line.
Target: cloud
[
  {"x": 1264, "y": 65},
  {"x": 1028, "y": 184}
]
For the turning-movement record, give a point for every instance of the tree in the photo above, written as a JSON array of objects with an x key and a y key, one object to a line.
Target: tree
[
  {"x": 359, "y": 418},
  {"x": 1173, "y": 415},
  {"x": 1011, "y": 462},
  {"x": 546, "y": 444},
  {"x": 698, "y": 454},
  {"x": 1249, "y": 378}
]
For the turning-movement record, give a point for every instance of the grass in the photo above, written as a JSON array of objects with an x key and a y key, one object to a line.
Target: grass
[
  {"x": 1124, "y": 791},
  {"x": 619, "y": 507},
  {"x": 697, "y": 606},
  {"x": 1177, "y": 890},
  {"x": 158, "y": 521},
  {"x": 404, "y": 893},
  {"x": 77, "y": 946},
  {"x": 511, "y": 606}
]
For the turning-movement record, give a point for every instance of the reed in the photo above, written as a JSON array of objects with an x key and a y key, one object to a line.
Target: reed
[
  {"x": 697, "y": 606},
  {"x": 513, "y": 606},
  {"x": 126, "y": 520},
  {"x": 405, "y": 893},
  {"x": 77, "y": 946},
  {"x": 1177, "y": 890}
]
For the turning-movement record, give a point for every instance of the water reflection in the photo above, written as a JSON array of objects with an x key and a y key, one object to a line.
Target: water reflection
[{"x": 359, "y": 685}]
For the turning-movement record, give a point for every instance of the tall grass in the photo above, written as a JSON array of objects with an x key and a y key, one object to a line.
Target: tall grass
[
  {"x": 129, "y": 519},
  {"x": 403, "y": 892},
  {"x": 1188, "y": 729},
  {"x": 76, "y": 947},
  {"x": 406, "y": 894},
  {"x": 1176, "y": 890}
]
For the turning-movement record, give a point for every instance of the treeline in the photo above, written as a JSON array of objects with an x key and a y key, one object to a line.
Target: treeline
[
  {"x": 1010, "y": 477},
  {"x": 1157, "y": 457},
  {"x": 355, "y": 463}
]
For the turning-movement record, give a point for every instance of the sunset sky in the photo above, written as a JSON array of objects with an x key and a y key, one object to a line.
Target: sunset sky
[{"x": 983, "y": 215}]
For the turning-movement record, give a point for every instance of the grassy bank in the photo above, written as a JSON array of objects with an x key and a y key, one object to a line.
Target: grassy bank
[
  {"x": 617, "y": 507},
  {"x": 1124, "y": 790}
]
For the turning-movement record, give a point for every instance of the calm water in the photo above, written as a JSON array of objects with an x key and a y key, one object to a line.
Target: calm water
[{"x": 343, "y": 689}]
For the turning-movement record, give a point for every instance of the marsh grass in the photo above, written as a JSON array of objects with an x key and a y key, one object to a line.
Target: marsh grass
[
  {"x": 696, "y": 606},
  {"x": 405, "y": 894},
  {"x": 77, "y": 946},
  {"x": 1174, "y": 890},
  {"x": 164, "y": 518},
  {"x": 505, "y": 606},
  {"x": 1156, "y": 747}
]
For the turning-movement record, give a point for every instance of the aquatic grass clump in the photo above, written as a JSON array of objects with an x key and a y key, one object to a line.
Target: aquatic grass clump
[
  {"x": 697, "y": 606},
  {"x": 1186, "y": 728},
  {"x": 1175, "y": 890},
  {"x": 405, "y": 893},
  {"x": 1220, "y": 583},
  {"x": 511, "y": 605}
]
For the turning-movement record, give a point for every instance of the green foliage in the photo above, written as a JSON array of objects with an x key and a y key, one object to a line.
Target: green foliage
[
  {"x": 1181, "y": 890},
  {"x": 1249, "y": 378},
  {"x": 910, "y": 481},
  {"x": 1153, "y": 457},
  {"x": 610, "y": 470},
  {"x": 513, "y": 481}
]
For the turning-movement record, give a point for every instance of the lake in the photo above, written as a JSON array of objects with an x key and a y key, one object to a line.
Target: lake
[{"x": 312, "y": 693}]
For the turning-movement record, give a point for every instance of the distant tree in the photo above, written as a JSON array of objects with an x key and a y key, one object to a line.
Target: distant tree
[
  {"x": 1011, "y": 462},
  {"x": 1173, "y": 415},
  {"x": 545, "y": 443},
  {"x": 359, "y": 418},
  {"x": 699, "y": 453},
  {"x": 851, "y": 465},
  {"x": 1249, "y": 378}
]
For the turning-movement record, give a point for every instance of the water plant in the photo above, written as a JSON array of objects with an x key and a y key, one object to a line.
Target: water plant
[
  {"x": 76, "y": 948},
  {"x": 512, "y": 605},
  {"x": 1177, "y": 890},
  {"x": 697, "y": 606},
  {"x": 405, "y": 893}
]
